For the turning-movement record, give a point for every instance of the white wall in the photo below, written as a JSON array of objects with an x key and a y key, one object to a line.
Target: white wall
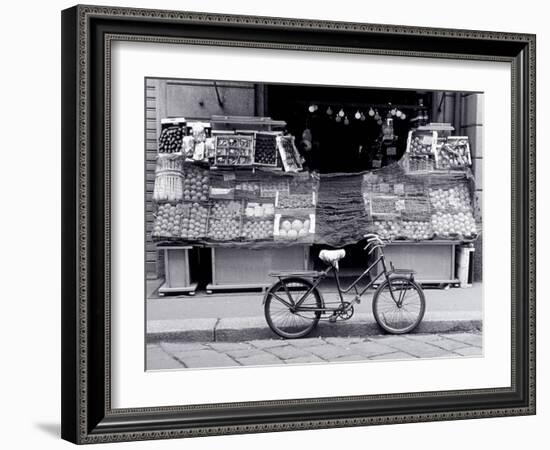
[{"x": 30, "y": 190}]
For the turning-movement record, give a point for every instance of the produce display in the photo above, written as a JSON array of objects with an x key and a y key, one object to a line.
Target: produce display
[
  {"x": 224, "y": 229},
  {"x": 234, "y": 202},
  {"x": 454, "y": 153},
  {"x": 289, "y": 154},
  {"x": 234, "y": 150},
  {"x": 290, "y": 227},
  {"x": 196, "y": 183},
  {"x": 387, "y": 230},
  {"x": 258, "y": 229},
  {"x": 448, "y": 225},
  {"x": 416, "y": 230},
  {"x": 171, "y": 138},
  {"x": 456, "y": 198},
  {"x": 168, "y": 220},
  {"x": 259, "y": 210},
  {"x": 297, "y": 201},
  {"x": 265, "y": 150},
  {"x": 226, "y": 210},
  {"x": 193, "y": 224}
]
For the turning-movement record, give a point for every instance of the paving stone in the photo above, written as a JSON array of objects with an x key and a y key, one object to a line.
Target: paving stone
[
  {"x": 158, "y": 359},
  {"x": 417, "y": 348},
  {"x": 304, "y": 360},
  {"x": 209, "y": 358},
  {"x": 391, "y": 356},
  {"x": 268, "y": 343},
  {"x": 368, "y": 348},
  {"x": 172, "y": 347},
  {"x": 328, "y": 351},
  {"x": 469, "y": 351},
  {"x": 439, "y": 341},
  {"x": 227, "y": 346},
  {"x": 244, "y": 352},
  {"x": 305, "y": 342},
  {"x": 468, "y": 338},
  {"x": 344, "y": 341},
  {"x": 288, "y": 351},
  {"x": 260, "y": 359},
  {"x": 387, "y": 339},
  {"x": 350, "y": 358}
]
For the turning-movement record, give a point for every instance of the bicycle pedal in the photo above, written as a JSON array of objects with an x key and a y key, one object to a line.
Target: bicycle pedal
[{"x": 332, "y": 318}]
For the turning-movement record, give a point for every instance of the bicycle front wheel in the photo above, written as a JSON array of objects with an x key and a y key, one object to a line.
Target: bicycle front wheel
[
  {"x": 283, "y": 317},
  {"x": 399, "y": 305}
]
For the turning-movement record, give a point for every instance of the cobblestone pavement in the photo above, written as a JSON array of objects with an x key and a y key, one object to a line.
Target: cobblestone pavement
[{"x": 176, "y": 355}]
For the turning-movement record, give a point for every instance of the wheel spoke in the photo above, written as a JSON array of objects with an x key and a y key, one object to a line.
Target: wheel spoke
[{"x": 403, "y": 313}]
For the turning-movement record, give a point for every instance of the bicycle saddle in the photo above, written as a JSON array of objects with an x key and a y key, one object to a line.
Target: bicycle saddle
[{"x": 332, "y": 256}]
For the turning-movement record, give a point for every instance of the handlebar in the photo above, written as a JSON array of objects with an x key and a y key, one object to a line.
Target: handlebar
[{"x": 374, "y": 240}]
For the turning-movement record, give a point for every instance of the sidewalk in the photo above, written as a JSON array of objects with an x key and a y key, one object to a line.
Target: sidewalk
[
  {"x": 178, "y": 355},
  {"x": 237, "y": 317}
]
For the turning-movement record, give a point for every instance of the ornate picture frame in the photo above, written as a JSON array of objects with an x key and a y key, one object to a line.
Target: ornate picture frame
[{"x": 88, "y": 33}]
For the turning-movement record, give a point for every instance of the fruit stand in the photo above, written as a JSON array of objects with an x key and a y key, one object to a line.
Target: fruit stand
[{"x": 235, "y": 185}]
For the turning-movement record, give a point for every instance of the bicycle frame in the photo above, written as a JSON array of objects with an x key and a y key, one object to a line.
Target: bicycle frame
[{"x": 341, "y": 291}]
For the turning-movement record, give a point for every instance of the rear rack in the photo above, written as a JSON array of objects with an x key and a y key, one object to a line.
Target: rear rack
[
  {"x": 296, "y": 273},
  {"x": 401, "y": 271}
]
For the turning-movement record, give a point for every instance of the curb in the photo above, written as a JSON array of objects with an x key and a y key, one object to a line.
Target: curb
[{"x": 237, "y": 329}]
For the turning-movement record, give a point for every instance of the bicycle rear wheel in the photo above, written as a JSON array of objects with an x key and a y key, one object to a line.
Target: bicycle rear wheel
[
  {"x": 402, "y": 312},
  {"x": 279, "y": 310}
]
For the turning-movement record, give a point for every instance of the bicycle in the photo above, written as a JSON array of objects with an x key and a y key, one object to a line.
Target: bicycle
[{"x": 293, "y": 306}]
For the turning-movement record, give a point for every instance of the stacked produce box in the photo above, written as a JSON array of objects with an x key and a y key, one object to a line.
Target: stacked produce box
[{"x": 428, "y": 195}]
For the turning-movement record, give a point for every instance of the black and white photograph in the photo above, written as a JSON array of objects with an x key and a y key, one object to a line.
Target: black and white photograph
[{"x": 292, "y": 224}]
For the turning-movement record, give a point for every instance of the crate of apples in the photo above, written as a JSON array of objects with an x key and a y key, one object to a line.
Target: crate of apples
[
  {"x": 258, "y": 229},
  {"x": 387, "y": 229},
  {"x": 453, "y": 225},
  {"x": 224, "y": 229},
  {"x": 196, "y": 184},
  {"x": 168, "y": 221},
  {"x": 193, "y": 224},
  {"x": 416, "y": 230},
  {"x": 455, "y": 198}
]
